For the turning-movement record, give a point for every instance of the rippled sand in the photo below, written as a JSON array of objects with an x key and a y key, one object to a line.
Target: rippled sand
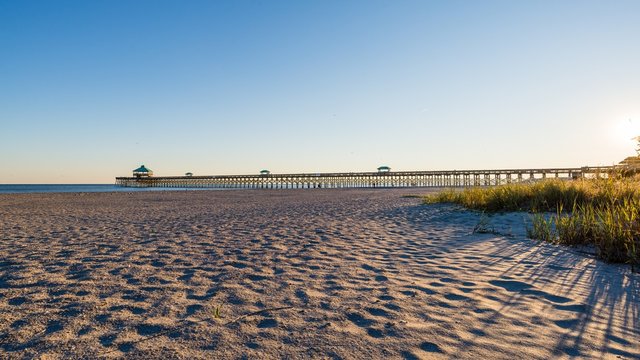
[{"x": 361, "y": 274}]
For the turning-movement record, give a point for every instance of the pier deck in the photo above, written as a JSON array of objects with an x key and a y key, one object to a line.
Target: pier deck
[{"x": 446, "y": 178}]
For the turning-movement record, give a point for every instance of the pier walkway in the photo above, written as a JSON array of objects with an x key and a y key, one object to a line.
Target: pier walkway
[{"x": 447, "y": 178}]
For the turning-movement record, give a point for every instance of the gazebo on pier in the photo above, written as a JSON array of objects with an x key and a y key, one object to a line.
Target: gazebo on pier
[
  {"x": 384, "y": 169},
  {"x": 142, "y": 171}
]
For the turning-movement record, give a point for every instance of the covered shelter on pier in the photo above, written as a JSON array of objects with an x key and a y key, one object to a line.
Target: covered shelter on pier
[{"x": 142, "y": 171}]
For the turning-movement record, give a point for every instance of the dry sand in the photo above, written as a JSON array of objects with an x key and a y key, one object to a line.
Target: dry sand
[{"x": 367, "y": 274}]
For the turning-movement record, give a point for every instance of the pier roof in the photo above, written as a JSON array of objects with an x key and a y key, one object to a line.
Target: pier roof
[{"x": 142, "y": 169}]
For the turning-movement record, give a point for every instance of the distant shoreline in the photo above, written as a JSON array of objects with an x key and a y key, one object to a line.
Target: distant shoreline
[
  {"x": 15, "y": 189},
  {"x": 77, "y": 188}
]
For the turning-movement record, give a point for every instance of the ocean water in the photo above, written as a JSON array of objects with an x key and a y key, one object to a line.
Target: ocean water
[{"x": 57, "y": 188}]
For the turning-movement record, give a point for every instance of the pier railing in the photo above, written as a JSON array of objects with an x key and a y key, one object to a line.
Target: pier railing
[{"x": 446, "y": 178}]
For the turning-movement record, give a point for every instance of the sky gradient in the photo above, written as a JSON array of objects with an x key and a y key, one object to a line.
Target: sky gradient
[{"x": 89, "y": 90}]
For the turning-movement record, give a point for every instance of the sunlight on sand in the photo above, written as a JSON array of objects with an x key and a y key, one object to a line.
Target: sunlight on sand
[{"x": 367, "y": 274}]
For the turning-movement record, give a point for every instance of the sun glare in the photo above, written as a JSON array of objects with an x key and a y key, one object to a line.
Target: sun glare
[{"x": 625, "y": 131}]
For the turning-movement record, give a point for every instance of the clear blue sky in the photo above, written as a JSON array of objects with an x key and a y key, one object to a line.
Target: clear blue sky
[{"x": 89, "y": 90}]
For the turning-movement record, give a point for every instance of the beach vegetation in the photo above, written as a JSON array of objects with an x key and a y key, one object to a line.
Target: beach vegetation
[
  {"x": 541, "y": 228},
  {"x": 217, "y": 312},
  {"x": 603, "y": 213},
  {"x": 541, "y": 196},
  {"x": 484, "y": 225}
]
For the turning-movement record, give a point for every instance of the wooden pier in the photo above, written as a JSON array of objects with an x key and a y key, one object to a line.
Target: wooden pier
[{"x": 448, "y": 178}]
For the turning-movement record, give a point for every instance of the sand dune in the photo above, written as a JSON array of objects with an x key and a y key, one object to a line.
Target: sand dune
[{"x": 363, "y": 274}]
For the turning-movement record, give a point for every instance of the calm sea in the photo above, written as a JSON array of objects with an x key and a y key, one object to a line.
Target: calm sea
[{"x": 29, "y": 188}]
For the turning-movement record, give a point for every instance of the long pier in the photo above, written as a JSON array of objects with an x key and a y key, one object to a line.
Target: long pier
[{"x": 447, "y": 178}]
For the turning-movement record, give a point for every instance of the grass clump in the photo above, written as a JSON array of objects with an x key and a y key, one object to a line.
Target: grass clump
[
  {"x": 217, "y": 312},
  {"x": 545, "y": 195},
  {"x": 604, "y": 213},
  {"x": 542, "y": 229}
]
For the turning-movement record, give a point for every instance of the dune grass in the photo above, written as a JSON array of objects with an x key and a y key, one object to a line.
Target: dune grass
[
  {"x": 545, "y": 195},
  {"x": 604, "y": 213}
]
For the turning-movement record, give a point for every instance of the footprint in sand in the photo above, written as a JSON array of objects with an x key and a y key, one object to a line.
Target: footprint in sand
[
  {"x": 252, "y": 345},
  {"x": 392, "y": 306},
  {"x": 567, "y": 324},
  {"x": 16, "y": 301},
  {"x": 376, "y": 333},
  {"x": 408, "y": 293},
  {"x": 302, "y": 295},
  {"x": 19, "y": 323},
  {"x": 59, "y": 292},
  {"x": 579, "y": 308},
  {"x": 510, "y": 285},
  {"x": 149, "y": 329},
  {"x": 53, "y": 326},
  {"x": 102, "y": 318},
  {"x": 132, "y": 280},
  {"x": 158, "y": 263},
  {"x": 407, "y": 355},
  {"x": 192, "y": 309},
  {"x": 125, "y": 347},
  {"x": 422, "y": 289},
  {"x": 257, "y": 277},
  {"x": 359, "y": 320},
  {"x": 71, "y": 310},
  {"x": 187, "y": 275},
  {"x": 444, "y": 304},
  {"x": 455, "y": 297},
  {"x": 378, "y": 312},
  {"x": 84, "y": 331},
  {"x": 546, "y": 295},
  {"x": 430, "y": 347},
  {"x": 134, "y": 297},
  {"x": 524, "y": 288},
  {"x": 107, "y": 340},
  {"x": 267, "y": 323},
  {"x": 371, "y": 268},
  {"x": 478, "y": 332},
  {"x": 481, "y": 310}
]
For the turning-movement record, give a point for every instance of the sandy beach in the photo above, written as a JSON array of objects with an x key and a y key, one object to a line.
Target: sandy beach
[{"x": 351, "y": 274}]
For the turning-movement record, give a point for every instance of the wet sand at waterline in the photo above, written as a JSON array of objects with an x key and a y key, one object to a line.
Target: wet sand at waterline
[{"x": 352, "y": 274}]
